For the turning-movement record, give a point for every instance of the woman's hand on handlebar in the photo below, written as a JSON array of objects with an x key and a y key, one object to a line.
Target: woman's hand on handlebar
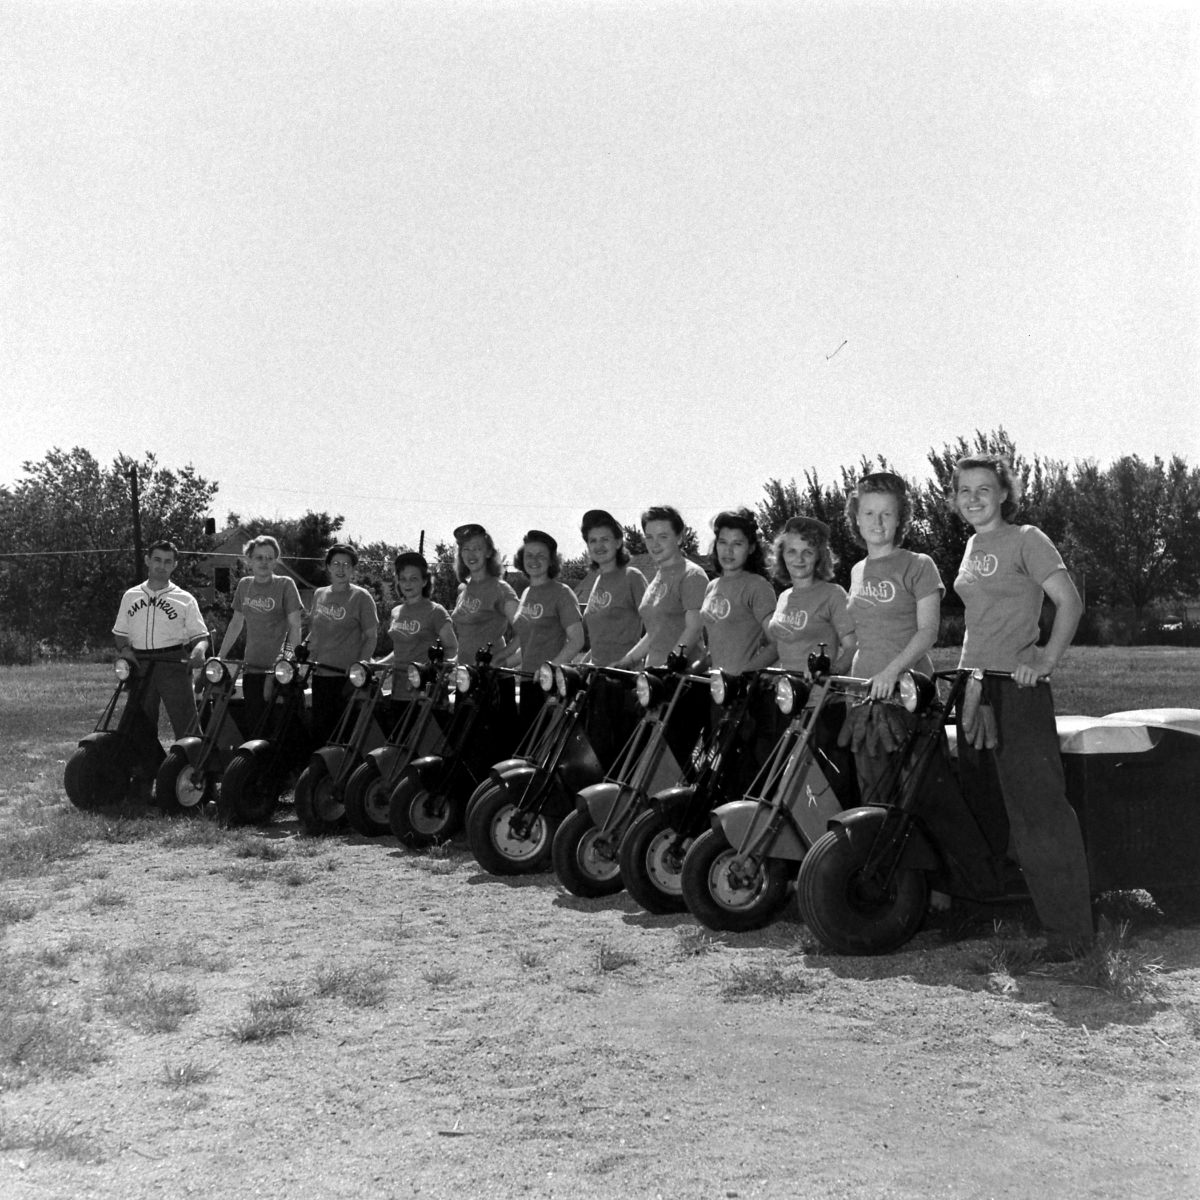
[{"x": 883, "y": 685}]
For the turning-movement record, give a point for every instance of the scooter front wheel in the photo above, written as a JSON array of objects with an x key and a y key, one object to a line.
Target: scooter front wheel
[
  {"x": 724, "y": 899},
  {"x": 180, "y": 790},
  {"x": 652, "y": 863},
  {"x": 419, "y": 816},
  {"x": 320, "y": 810},
  {"x": 851, "y": 914},
  {"x": 93, "y": 779},
  {"x": 247, "y": 796},
  {"x": 584, "y": 859},
  {"x": 367, "y": 805},
  {"x": 504, "y": 840}
]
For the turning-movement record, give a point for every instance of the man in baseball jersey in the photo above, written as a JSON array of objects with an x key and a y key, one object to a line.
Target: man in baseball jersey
[{"x": 160, "y": 624}]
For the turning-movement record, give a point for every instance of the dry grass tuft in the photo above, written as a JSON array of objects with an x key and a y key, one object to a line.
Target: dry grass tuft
[
  {"x": 439, "y": 977},
  {"x": 53, "y": 1138},
  {"x": 763, "y": 981},
  {"x": 612, "y": 958},
  {"x": 691, "y": 941},
  {"x": 1116, "y": 967},
  {"x": 12, "y": 911},
  {"x": 363, "y": 986},
  {"x": 147, "y": 1005},
  {"x": 185, "y": 1074},
  {"x": 106, "y": 897},
  {"x": 276, "y": 1013}
]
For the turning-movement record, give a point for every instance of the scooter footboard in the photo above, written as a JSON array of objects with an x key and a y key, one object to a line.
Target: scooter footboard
[
  {"x": 862, "y": 826},
  {"x": 741, "y": 821}
]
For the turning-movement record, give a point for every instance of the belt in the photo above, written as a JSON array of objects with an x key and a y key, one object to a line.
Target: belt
[{"x": 176, "y": 652}]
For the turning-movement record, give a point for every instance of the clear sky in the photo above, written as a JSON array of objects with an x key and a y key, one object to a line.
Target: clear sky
[{"x": 424, "y": 263}]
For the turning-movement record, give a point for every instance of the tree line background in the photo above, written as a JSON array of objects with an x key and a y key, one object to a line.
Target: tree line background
[{"x": 1129, "y": 532}]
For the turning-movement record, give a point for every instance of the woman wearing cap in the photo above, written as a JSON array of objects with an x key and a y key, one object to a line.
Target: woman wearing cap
[
  {"x": 486, "y": 604},
  {"x": 416, "y": 622},
  {"x": 611, "y": 612},
  {"x": 547, "y": 627},
  {"x": 342, "y": 631},
  {"x": 670, "y": 608},
  {"x": 895, "y": 601},
  {"x": 740, "y": 601},
  {"x": 1006, "y": 571},
  {"x": 813, "y": 609},
  {"x": 268, "y": 607}
]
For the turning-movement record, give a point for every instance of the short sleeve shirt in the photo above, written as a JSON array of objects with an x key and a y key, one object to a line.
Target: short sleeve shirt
[
  {"x": 157, "y": 620},
  {"x": 413, "y": 628},
  {"x": 883, "y": 602},
  {"x": 547, "y": 611},
  {"x": 611, "y": 614},
  {"x": 733, "y": 613},
  {"x": 806, "y": 617},
  {"x": 1000, "y": 584},
  {"x": 479, "y": 616},
  {"x": 672, "y": 592},
  {"x": 340, "y": 625},
  {"x": 265, "y": 608}
]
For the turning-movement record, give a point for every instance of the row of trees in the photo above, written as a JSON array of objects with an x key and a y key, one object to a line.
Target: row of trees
[{"x": 1130, "y": 532}]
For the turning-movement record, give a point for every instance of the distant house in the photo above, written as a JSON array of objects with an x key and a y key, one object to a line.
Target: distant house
[{"x": 222, "y": 567}]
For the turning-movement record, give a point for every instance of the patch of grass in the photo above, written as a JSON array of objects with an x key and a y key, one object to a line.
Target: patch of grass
[
  {"x": 52, "y": 1138},
  {"x": 1007, "y": 957},
  {"x": 612, "y": 958},
  {"x": 439, "y": 977},
  {"x": 1116, "y": 967},
  {"x": 762, "y": 981},
  {"x": 292, "y": 876},
  {"x": 12, "y": 911},
  {"x": 58, "y": 834},
  {"x": 691, "y": 941},
  {"x": 187, "y": 835},
  {"x": 185, "y": 1074},
  {"x": 273, "y": 1014},
  {"x": 147, "y": 1005},
  {"x": 529, "y": 959},
  {"x": 363, "y": 986},
  {"x": 247, "y": 845},
  {"x": 434, "y": 860},
  {"x": 246, "y": 873},
  {"x": 126, "y": 830},
  {"x": 106, "y": 897}
]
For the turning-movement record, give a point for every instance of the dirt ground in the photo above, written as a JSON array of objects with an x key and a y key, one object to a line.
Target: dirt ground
[{"x": 528, "y": 1043}]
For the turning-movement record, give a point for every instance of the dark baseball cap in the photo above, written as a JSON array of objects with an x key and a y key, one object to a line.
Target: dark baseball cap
[
  {"x": 599, "y": 518},
  {"x": 537, "y": 535},
  {"x": 465, "y": 532}
]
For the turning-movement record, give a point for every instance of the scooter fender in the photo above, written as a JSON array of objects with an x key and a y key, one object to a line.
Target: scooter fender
[
  {"x": 863, "y": 825},
  {"x": 258, "y": 748},
  {"x": 193, "y": 747},
  {"x": 383, "y": 757},
  {"x": 332, "y": 757},
  {"x": 735, "y": 819},
  {"x": 599, "y": 800},
  {"x": 672, "y": 802},
  {"x": 108, "y": 740},
  {"x": 500, "y": 771},
  {"x": 429, "y": 771}
]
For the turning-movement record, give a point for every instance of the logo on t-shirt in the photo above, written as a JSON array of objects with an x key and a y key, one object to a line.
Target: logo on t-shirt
[
  {"x": 335, "y": 612},
  {"x": 718, "y": 607},
  {"x": 655, "y": 592},
  {"x": 162, "y": 604},
  {"x": 794, "y": 618},
  {"x": 980, "y": 566},
  {"x": 469, "y": 604},
  {"x": 598, "y": 600},
  {"x": 409, "y": 627},
  {"x": 532, "y": 612},
  {"x": 877, "y": 591},
  {"x": 260, "y": 604}
]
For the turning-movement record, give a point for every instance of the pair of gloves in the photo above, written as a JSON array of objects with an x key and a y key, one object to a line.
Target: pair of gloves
[
  {"x": 875, "y": 726},
  {"x": 976, "y": 719}
]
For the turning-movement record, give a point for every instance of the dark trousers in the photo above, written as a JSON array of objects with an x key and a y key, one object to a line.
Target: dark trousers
[
  {"x": 171, "y": 683},
  {"x": 1025, "y": 773},
  {"x": 255, "y": 702},
  {"x": 328, "y": 701}
]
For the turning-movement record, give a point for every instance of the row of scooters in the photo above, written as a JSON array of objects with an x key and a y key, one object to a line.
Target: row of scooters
[{"x": 670, "y": 813}]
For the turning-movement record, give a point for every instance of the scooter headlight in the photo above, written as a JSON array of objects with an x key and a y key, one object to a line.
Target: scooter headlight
[
  {"x": 214, "y": 670},
  {"x": 415, "y": 681},
  {"x": 718, "y": 687},
  {"x": 464, "y": 679},
  {"x": 545, "y": 677},
  {"x": 122, "y": 669},
  {"x": 359, "y": 674},
  {"x": 915, "y": 690},
  {"x": 285, "y": 671},
  {"x": 649, "y": 690},
  {"x": 785, "y": 695}
]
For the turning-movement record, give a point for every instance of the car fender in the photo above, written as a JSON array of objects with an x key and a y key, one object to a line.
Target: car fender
[
  {"x": 737, "y": 818},
  {"x": 863, "y": 825}
]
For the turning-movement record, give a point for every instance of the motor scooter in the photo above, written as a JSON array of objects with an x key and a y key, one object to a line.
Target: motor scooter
[
  {"x": 190, "y": 774},
  {"x": 418, "y": 732},
  {"x": 321, "y": 789},
  {"x": 428, "y": 802},
  {"x": 1130, "y": 776},
  {"x": 265, "y": 767},
  {"x": 736, "y": 875},
  {"x": 513, "y": 815},
  {"x": 652, "y": 851},
  {"x": 586, "y": 845},
  {"x": 124, "y": 745}
]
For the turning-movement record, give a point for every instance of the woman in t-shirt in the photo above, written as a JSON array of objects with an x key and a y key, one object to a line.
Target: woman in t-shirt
[
  {"x": 416, "y": 623},
  {"x": 547, "y": 627},
  {"x": 1006, "y": 570},
  {"x": 268, "y": 607},
  {"x": 486, "y": 604},
  {"x": 813, "y": 610},
  {"x": 895, "y": 601},
  {"x": 342, "y": 631}
]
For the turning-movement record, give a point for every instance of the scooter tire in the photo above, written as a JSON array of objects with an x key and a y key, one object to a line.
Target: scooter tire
[
  {"x": 93, "y": 781},
  {"x": 247, "y": 796},
  {"x": 497, "y": 850},
  {"x": 716, "y": 901},
  {"x": 484, "y": 789},
  {"x": 581, "y": 862},
  {"x": 420, "y": 817},
  {"x": 175, "y": 790},
  {"x": 319, "y": 810},
  {"x": 367, "y": 806},
  {"x": 846, "y": 917},
  {"x": 651, "y": 872}
]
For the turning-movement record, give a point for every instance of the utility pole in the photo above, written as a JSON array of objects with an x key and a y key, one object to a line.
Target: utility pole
[{"x": 137, "y": 524}]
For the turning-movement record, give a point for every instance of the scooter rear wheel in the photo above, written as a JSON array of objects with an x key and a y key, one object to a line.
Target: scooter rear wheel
[
  {"x": 724, "y": 902},
  {"x": 847, "y": 912},
  {"x": 497, "y": 848},
  {"x": 319, "y": 809},
  {"x": 367, "y": 805},
  {"x": 651, "y": 867},
  {"x": 93, "y": 780},
  {"x": 247, "y": 795},
  {"x": 179, "y": 790},
  {"x": 583, "y": 861}
]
